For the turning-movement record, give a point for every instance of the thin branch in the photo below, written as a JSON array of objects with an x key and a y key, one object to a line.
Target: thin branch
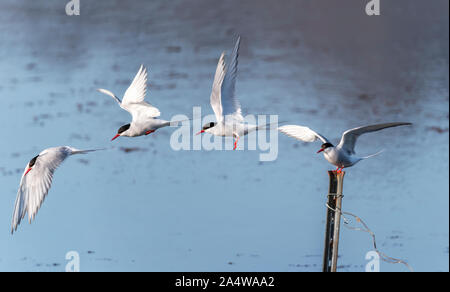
[{"x": 365, "y": 228}]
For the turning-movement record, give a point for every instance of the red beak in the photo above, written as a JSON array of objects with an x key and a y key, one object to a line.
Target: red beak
[
  {"x": 320, "y": 150},
  {"x": 202, "y": 131},
  {"x": 28, "y": 170},
  {"x": 118, "y": 135}
]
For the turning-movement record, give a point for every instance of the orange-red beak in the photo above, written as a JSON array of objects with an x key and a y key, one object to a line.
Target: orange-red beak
[
  {"x": 202, "y": 131},
  {"x": 320, "y": 150},
  {"x": 115, "y": 137},
  {"x": 28, "y": 170}
]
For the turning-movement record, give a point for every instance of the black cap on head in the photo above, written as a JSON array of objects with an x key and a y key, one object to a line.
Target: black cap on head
[
  {"x": 33, "y": 161},
  {"x": 208, "y": 126},
  {"x": 123, "y": 128},
  {"x": 326, "y": 145}
]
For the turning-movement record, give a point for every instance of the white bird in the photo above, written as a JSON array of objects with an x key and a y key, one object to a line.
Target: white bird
[
  {"x": 342, "y": 155},
  {"x": 144, "y": 115},
  {"x": 226, "y": 106},
  {"x": 37, "y": 180}
]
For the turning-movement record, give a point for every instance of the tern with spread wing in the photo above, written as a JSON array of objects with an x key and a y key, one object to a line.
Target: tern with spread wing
[
  {"x": 226, "y": 106},
  {"x": 342, "y": 155},
  {"x": 37, "y": 180},
  {"x": 144, "y": 115}
]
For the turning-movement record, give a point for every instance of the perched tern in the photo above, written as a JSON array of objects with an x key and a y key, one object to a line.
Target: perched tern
[
  {"x": 226, "y": 106},
  {"x": 342, "y": 155},
  {"x": 144, "y": 115},
  {"x": 37, "y": 180}
]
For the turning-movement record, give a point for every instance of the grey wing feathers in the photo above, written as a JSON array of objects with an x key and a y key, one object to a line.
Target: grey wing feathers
[
  {"x": 138, "y": 88},
  {"x": 134, "y": 98},
  {"x": 302, "y": 133},
  {"x": 216, "y": 92},
  {"x": 35, "y": 185},
  {"x": 230, "y": 103},
  {"x": 349, "y": 137},
  {"x": 31, "y": 194}
]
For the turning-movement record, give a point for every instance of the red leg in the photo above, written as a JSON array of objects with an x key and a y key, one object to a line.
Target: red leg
[
  {"x": 235, "y": 143},
  {"x": 149, "y": 132}
]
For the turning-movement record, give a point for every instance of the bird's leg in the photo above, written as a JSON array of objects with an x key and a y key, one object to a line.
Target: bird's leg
[
  {"x": 337, "y": 169},
  {"x": 149, "y": 132},
  {"x": 236, "y": 139}
]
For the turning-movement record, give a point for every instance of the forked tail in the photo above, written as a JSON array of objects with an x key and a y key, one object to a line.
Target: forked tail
[
  {"x": 372, "y": 155},
  {"x": 76, "y": 151},
  {"x": 177, "y": 123},
  {"x": 107, "y": 92},
  {"x": 269, "y": 125},
  {"x": 252, "y": 128}
]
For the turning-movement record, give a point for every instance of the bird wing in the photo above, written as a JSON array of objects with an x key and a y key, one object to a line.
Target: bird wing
[
  {"x": 223, "y": 99},
  {"x": 216, "y": 92},
  {"x": 349, "y": 137},
  {"x": 134, "y": 96},
  {"x": 142, "y": 112},
  {"x": 230, "y": 103},
  {"x": 34, "y": 186},
  {"x": 302, "y": 133}
]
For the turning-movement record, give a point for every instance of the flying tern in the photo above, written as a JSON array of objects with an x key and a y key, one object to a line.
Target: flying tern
[
  {"x": 144, "y": 115},
  {"x": 342, "y": 155},
  {"x": 226, "y": 106},
  {"x": 37, "y": 180}
]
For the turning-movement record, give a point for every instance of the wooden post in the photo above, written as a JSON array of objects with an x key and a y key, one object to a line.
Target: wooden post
[{"x": 333, "y": 221}]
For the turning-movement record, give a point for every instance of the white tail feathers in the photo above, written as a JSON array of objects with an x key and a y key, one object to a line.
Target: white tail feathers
[
  {"x": 372, "y": 155},
  {"x": 270, "y": 125},
  {"x": 86, "y": 151},
  {"x": 177, "y": 123}
]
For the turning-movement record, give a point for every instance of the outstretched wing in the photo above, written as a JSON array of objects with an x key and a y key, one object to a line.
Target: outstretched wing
[
  {"x": 302, "y": 133},
  {"x": 34, "y": 186},
  {"x": 216, "y": 92},
  {"x": 230, "y": 103},
  {"x": 133, "y": 99},
  {"x": 349, "y": 137},
  {"x": 223, "y": 99},
  {"x": 138, "y": 87}
]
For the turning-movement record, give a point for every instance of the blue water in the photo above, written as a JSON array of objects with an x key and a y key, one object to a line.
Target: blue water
[{"x": 322, "y": 64}]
